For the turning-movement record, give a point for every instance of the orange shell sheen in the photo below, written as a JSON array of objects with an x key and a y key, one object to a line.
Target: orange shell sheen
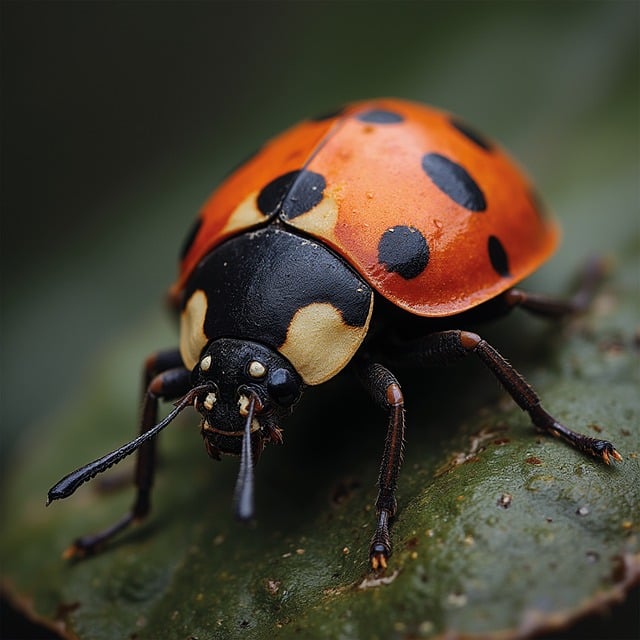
[{"x": 391, "y": 169}]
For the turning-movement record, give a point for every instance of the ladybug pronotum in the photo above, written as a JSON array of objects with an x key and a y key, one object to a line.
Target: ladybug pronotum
[{"x": 327, "y": 249}]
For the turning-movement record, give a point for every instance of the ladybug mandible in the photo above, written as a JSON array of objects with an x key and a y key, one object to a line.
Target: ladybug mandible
[{"x": 339, "y": 239}]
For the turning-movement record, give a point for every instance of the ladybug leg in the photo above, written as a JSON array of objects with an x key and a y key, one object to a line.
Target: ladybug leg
[
  {"x": 446, "y": 346},
  {"x": 542, "y": 305},
  {"x": 385, "y": 390},
  {"x": 164, "y": 378}
]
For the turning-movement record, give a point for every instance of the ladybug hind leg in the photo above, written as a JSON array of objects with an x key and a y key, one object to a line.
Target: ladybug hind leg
[
  {"x": 539, "y": 304},
  {"x": 164, "y": 378}
]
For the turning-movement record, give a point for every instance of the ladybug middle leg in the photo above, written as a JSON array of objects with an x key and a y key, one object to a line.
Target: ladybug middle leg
[
  {"x": 165, "y": 378},
  {"x": 446, "y": 346}
]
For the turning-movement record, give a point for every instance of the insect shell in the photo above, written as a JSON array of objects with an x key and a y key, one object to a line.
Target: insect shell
[{"x": 315, "y": 253}]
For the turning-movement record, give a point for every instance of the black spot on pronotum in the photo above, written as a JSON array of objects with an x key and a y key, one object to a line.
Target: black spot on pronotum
[
  {"x": 380, "y": 116},
  {"x": 403, "y": 250},
  {"x": 453, "y": 180},
  {"x": 191, "y": 236},
  {"x": 471, "y": 134},
  {"x": 498, "y": 256},
  {"x": 292, "y": 194}
]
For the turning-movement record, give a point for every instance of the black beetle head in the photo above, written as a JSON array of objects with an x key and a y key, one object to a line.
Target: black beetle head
[{"x": 240, "y": 372}]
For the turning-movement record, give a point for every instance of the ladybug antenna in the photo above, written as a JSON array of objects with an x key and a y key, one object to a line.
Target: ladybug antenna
[
  {"x": 243, "y": 495},
  {"x": 65, "y": 487}
]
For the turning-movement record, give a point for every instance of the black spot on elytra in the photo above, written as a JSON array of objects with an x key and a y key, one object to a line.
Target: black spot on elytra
[
  {"x": 403, "y": 250},
  {"x": 191, "y": 236},
  {"x": 292, "y": 194},
  {"x": 471, "y": 134},
  {"x": 380, "y": 116},
  {"x": 498, "y": 256},
  {"x": 453, "y": 180}
]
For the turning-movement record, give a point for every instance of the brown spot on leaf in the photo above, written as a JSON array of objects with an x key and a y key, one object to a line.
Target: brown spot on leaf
[
  {"x": 273, "y": 586},
  {"x": 505, "y": 500},
  {"x": 412, "y": 543}
]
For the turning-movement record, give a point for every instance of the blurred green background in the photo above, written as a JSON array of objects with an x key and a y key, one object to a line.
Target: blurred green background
[{"x": 119, "y": 118}]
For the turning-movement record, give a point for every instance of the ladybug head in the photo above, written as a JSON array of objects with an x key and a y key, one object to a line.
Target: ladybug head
[
  {"x": 250, "y": 388},
  {"x": 240, "y": 375}
]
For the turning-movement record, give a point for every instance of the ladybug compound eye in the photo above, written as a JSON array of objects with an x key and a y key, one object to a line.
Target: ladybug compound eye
[
  {"x": 283, "y": 388},
  {"x": 256, "y": 369},
  {"x": 205, "y": 363}
]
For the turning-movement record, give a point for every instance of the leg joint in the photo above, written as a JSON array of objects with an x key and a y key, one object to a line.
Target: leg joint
[
  {"x": 394, "y": 395},
  {"x": 170, "y": 384},
  {"x": 469, "y": 341}
]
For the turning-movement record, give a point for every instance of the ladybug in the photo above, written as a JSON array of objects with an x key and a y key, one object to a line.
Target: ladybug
[{"x": 368, "y": 239}]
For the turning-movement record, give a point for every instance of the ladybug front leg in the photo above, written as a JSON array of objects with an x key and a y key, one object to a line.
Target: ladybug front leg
[
  {"x": 446, "y": 346},
  {"x": 385, "y": 390},
  {"x": 164, "y": 378}
]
